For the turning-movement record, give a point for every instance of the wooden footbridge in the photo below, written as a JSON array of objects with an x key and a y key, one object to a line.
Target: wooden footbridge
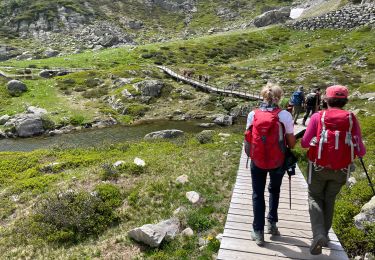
[
  {"x": 294, "y": 224},
  {"x": 253, "y": 95}
]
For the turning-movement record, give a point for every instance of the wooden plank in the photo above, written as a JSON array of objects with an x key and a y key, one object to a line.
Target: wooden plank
[
  {"x": 282, "y": 239},
  {"x": 282, "y": 216},
  {"x": 225, "y": 254},
  {"x": 282, "y": 204},
  {"x": 281, "y": 212},
  {"x": 301, "y": 196},
  {"x": 282, "y": 223},
  {"x": 283, "y": 197},
  {"x": 273, "y": 249}
]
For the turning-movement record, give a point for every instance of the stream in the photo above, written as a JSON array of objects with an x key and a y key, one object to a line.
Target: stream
[{"x": 105, "y": 136}]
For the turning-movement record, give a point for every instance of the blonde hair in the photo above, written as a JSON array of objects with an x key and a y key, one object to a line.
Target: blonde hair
[{"x": 271, "y": 93}]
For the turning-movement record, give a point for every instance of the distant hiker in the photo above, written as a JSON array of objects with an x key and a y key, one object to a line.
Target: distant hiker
[
  {"x": 311, "y": 104},
  {"x": 318, "y": 99},
  {"x": 297, "y": 99},
  {"x": 271, "y": 130},
  {"x": 333, "y": 137}
]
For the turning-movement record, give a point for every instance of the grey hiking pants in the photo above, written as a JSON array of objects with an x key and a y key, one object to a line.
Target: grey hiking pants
[
  {"x": 297, "y": 109},
  {"x": 324, "y": 187}
]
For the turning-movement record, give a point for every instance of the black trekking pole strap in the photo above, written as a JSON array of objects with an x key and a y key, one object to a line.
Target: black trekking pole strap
[{"x": 368, "y": 177}]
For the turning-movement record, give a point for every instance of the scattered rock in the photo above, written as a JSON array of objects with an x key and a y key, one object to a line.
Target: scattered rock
[
  {"x": 188, "y": 232},
  {"x": 153, "y": 234},
  {"x": 206, "y": 136},
  {"x": 182, "y": 179},
  {"x": 192, "y": 196},
  {"x": 139, "y": 162},
  {"x": 47, "y": 74},
  {"x": 179, "y": 210},
  {"x": 367, "y": 215},
  {"x": 207, "y": 125},
  {"x": 351, "y": 181},
  {"x": 118, "y": 163},
  {"x": 223, "y": 120},
  {"x": 164, "y": 134},
  {"x": 203, "y": 241},
  {"x": 36, "y": 110},
  {"x": 4, "y": 119},
  {"x": 16, "y": 87},
  {"x": 342, "y": 60},
  {"x": 225, "y": 135}
]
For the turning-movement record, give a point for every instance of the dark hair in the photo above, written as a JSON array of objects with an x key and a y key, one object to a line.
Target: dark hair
[{"x": 337, "y": 102}]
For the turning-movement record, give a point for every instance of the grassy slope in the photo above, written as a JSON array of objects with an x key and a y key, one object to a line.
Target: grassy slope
[{"x": 150, "y": 197}]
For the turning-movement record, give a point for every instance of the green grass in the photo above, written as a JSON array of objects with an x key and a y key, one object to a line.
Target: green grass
[{"x": 151, "y": 195}]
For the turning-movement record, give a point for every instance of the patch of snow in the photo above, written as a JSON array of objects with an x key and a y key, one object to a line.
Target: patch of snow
[{"x": 296, "y": 12}]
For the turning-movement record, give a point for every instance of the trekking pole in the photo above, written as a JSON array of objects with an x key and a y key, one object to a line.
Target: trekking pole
[
  {"x": 290, "y": 192},
  {"x": 368, "y": 177}
]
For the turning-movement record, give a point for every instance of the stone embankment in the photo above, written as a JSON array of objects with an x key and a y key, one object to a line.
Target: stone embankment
[{"x": 349, "y": 17}]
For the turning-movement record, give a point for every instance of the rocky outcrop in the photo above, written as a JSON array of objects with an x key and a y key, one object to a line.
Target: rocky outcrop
[
  {"x": 346, "y": 18},
  {"x": 165, "y": 134},
  {"x": 366, "y": 216},
  {"x": 153, "y": 234},
  {"x": 271, "y": 17},
  {"x": 150, "y": 88}
]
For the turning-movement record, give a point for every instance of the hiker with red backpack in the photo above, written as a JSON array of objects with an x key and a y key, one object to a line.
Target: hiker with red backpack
[
  {"x": 269, "y": 131},
  {"x": 334, "y": 139}
]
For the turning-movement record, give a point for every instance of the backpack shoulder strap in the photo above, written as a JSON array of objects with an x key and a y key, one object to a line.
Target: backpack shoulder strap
[{"x": 323, "y": 134}]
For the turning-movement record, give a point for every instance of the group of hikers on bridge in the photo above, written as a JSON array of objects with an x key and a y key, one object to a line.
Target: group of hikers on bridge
[{"x": 269, "y": 136}]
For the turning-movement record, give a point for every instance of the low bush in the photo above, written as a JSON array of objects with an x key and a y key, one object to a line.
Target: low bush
[
  {"x": 200, "y": 220},
  {"x": 72, "y": 216},
  {"x": 349, "y": 204},
  {"x": 76, "y": 120},
  {"x": 136, "y": 110}
]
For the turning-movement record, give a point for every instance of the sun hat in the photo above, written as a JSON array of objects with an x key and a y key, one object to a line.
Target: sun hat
[{"x": 337, "y": 91}]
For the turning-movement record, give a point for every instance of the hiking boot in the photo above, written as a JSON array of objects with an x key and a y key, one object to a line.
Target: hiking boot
[
  {"x": 304, "y": 122},
  {"x": 272, "y": 228},
  {"x": 318, "y": 242},
  {"x": 258, "y": 237}
]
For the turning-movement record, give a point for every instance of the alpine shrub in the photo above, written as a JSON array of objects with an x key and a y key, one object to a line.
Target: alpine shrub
[{"x": 72, "y": 216}]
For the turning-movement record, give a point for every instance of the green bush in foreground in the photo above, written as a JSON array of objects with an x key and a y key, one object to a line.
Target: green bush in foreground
[
  {"x": 72, "y": 216},
  {"x": 355, "y": 241}
]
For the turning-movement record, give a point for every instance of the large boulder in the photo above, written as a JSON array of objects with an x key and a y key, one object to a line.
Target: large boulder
[
  {"x": 151, "y": 88},
  {"x": 153, "y": 234},
  {"x": 16, "y": 87},
  {"x": 223, "y": 120},
  {"x": 164, "y": 134},
  {"x": 47, "y": 74},
  {"x": 366, "y": 216},
  {"x": 28, "y": 125},
  {"x": 272, "y": 17}
]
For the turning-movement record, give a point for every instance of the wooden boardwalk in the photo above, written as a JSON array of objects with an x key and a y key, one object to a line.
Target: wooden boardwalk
[
  {"x": 294, "y": 224},
  {"x": 205, "y": 87}
]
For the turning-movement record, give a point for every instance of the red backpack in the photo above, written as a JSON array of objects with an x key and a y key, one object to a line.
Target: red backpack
[
  {"x": 264, "y": 140},
  {"x": 333, "y": 146}
]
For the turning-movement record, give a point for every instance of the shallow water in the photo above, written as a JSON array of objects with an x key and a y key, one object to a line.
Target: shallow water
[{"x": 104, "y": 136}]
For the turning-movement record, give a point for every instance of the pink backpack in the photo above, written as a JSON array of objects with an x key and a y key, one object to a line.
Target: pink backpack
[{"x": 334, "y": 145}]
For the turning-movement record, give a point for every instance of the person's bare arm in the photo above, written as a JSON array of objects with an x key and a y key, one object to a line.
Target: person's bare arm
[{"x": 290, "y": 140}]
